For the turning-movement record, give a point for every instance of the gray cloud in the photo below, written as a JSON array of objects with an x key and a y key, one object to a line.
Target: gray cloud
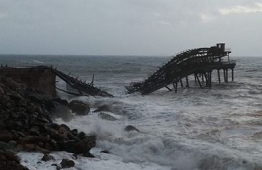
[{"x": 126, "y": 27}]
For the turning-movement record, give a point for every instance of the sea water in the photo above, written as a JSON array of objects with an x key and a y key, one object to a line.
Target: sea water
[{"x": 217, "y": 128}]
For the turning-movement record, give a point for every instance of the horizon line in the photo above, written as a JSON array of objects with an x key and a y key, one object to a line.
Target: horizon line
[{"x": 108, "y": 55}]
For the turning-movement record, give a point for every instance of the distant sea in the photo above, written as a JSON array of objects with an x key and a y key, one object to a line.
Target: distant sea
[{"x": 218, "y": 128}]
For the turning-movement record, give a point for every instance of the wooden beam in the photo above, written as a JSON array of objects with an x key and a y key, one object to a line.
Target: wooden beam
[
  {"x": 181, "y": 83},
  {"x": 168, "y": 88}
]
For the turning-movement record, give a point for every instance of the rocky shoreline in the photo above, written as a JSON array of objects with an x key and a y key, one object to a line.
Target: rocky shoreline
[{"x": 26, "y": 125}]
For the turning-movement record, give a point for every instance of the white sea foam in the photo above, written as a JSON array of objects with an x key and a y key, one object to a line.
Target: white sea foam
[{"x": 38, "y": 62}]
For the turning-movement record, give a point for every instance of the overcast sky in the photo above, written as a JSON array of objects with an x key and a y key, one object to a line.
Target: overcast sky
[{"x": 129, "y": 27}]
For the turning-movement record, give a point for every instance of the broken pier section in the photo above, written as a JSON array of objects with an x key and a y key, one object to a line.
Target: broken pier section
[
  {"x": 199, "y": 62},
  {"x": 43, "y": 79}
]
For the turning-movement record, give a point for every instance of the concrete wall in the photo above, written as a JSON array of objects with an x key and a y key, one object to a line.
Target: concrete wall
[{"x": 39, "y": 79}]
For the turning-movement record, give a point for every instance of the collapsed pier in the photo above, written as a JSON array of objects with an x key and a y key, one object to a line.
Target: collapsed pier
[
  {"x": 43, "y": 79},
  {"x": 199, "y": 62}
]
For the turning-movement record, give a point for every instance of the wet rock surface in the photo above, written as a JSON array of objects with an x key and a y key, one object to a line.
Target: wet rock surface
[
  {"x": 66, "y": 163},
  {"x": 47, "y": 157},
  {"x": 129, "y": 128},
  {"x": 26, "y": 123},
  {"x": 78, "y": 107},
  {"x": 106, "y": 116},
  {"x": 9, "y": 161}
]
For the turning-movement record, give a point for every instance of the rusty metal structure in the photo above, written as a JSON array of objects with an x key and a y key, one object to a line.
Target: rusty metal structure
[{"x": 199, "y": 62}]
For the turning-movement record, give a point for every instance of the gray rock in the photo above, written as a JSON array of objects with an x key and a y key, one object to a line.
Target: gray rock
[
  {"x": 78, "y": 107},
  {"x": 66, "y": 163},
  {"x": 106, "y": 116},
  {"x": 88, "y": 155},
  {"x": 129, "y": 128},
  {"x": 47, "y": 157}
]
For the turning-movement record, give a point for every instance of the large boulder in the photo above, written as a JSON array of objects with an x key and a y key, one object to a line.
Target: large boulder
[
  {"x": 66, "y": 163},
  {"x": 85, "y": 145},
  {"x": 78, "y": 107},
  {"x": 47, "y": 157}
]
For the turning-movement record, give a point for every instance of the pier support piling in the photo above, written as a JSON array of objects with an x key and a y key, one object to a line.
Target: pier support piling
[
  {"x": 198, "y": 81},
  {"x": 181, "y": 83},
  {"x": 218, "y": 76},
  {"x": 187, "y": 84}
]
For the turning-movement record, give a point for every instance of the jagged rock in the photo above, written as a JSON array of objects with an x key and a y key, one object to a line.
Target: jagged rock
[
  {"x": 9, "y": 161},
  {"x": 88, "y": 155},
  {"x": 129, "y": 128},
  {"x": 66, "y": 163},
  {"x": 74, "y": 132},
  {"x": 85, "y": 145},
  {"x": 65, "y": 132},
  {"x": 105, "y": 151},
  {"x": 47, "y": 157},
  {"x": 103, "y": 108},
  {"x": 25, "y": 123},
  {"x": 65, "y": 126},
  {"x": 81, "y": 135},
  {"x": 61, "y": 101},
  {"x": 106, "y": 116},
  {"x": 78, "y": 107}
]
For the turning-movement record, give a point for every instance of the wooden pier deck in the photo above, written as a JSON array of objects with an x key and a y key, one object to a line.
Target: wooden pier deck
[{"x": 200, "y": 63}]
